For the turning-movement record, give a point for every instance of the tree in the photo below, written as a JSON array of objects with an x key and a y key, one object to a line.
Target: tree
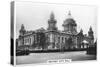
[{"x": 41, "y": 40}]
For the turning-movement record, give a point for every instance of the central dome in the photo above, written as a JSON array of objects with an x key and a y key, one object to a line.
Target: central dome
[{"x": 69, "y": 20}]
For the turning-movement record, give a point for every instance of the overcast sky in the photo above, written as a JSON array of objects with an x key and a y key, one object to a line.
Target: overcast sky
[{"x": 36, "y": 15}]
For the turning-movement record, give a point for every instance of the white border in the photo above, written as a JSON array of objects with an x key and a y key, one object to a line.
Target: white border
[
  {"x": 96, "y": 7},
  {"x": 14, "y": 34}
]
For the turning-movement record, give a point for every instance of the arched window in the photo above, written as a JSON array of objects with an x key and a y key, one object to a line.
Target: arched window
[
  {"x": 62, "y": 39},
  {"x": 58, "y": 39}
]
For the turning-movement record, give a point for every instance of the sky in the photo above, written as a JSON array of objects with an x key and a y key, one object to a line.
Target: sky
[{"x": 36, "y": 15}]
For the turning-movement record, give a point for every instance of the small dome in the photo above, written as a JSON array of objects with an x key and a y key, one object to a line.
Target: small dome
[
  {"x": 52, "y": 15},
  {"x": 90, "y": 30},
  {"x": 52, "y": 18},
  {"x": 22, "y": 28}
]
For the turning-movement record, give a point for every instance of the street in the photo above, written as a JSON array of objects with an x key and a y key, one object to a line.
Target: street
[{"x": 34, "y": 58}]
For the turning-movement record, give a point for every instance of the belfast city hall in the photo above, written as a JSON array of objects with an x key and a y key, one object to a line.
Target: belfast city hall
[{"x": 52, "y": 38}]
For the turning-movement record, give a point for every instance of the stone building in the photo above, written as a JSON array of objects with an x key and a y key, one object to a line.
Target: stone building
[{"x": 52, "y": 38}]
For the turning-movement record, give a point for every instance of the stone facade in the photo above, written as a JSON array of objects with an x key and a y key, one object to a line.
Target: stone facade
[{"x": 52, "y": 38}]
